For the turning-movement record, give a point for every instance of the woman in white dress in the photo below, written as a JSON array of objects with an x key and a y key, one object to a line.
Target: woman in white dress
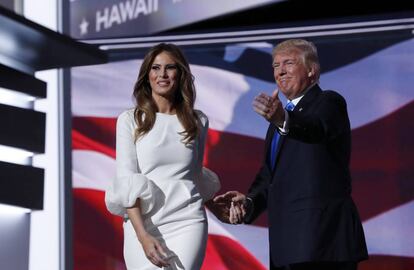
[{"x": 161, "y": 186}]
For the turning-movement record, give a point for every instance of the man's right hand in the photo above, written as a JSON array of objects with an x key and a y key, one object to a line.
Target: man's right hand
[{"x": 234, "y": 202}]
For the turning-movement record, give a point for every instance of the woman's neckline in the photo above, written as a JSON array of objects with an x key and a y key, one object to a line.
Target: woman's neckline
[{"x": 166, "y": 114}]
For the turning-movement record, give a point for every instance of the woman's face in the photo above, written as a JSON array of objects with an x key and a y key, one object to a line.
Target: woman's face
[{"x": 163, "y": 76}]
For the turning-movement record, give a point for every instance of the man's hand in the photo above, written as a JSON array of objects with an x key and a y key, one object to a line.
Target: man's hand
[
  {"x": 270, "y": 107},
  {"x": 229, "y": 207}
]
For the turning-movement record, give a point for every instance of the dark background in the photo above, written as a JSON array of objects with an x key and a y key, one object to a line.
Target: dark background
[{"x": 297, "y": 12}]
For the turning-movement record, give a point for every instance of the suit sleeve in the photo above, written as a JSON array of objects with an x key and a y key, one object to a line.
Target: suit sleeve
[
  {"x": 328, "y": 121},
  {"x": 258, "y": 191}
]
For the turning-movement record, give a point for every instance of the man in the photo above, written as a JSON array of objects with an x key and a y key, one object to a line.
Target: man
[{"x": 304, "y": 182}]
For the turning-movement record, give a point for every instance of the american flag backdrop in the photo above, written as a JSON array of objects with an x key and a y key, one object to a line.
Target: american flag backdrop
[{"x": 376, "y": 77}]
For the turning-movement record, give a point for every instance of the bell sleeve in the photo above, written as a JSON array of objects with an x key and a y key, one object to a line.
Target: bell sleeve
[{"x": 129, "y": 183}]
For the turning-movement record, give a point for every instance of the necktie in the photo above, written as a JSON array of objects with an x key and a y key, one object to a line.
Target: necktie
[{"x": 289, "y": 107}]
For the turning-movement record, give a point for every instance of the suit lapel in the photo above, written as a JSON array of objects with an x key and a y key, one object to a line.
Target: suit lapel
[
  {"x": 300, "y": 108},
  {"x": 306, "y": 101}
]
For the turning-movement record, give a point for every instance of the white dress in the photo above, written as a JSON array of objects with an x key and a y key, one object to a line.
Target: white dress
[{"x": 172, "y": 185}]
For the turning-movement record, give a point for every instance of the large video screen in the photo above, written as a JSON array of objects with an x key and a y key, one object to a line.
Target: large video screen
[{"x": 372, "y": 68}]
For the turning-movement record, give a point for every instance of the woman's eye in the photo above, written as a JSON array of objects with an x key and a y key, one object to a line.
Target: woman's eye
[{"x": 155, "y": 67}]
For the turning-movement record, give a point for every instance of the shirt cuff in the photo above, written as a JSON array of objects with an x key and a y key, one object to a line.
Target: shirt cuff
[
  {"x": 249, "y": 206},
  {"x": 284, "y": 130}
]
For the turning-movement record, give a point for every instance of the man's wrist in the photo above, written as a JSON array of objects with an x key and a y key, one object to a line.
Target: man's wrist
[{"x": 248, "y": 204}]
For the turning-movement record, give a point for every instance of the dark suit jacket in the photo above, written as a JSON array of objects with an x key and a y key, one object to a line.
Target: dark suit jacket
[{"x": 312, "y": 216}]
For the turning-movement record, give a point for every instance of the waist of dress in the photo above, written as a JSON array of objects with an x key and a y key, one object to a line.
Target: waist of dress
[{"x": 182, "y": 217}]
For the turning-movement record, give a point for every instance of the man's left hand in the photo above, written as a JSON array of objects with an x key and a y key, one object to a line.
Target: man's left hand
[{"x": 270, "y": 107}]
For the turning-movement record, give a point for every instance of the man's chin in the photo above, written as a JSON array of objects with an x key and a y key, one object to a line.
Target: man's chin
[{"x": 284, "y": 90}]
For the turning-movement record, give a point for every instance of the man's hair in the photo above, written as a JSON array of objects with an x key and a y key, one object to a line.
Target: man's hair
[{"x": 306, "y": 48}]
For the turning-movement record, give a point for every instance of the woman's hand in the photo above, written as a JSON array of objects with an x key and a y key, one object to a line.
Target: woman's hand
[
  {"x": 228, "y": 207},
  {"x": 237, "y": 213},
  {"x": 154, "y": 250}
]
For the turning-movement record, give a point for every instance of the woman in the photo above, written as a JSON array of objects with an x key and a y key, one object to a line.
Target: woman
[{"x": 161, "y": 186}]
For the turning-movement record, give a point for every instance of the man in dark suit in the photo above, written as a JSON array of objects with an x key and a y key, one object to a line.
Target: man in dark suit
[{"x": 304, "y": 181}]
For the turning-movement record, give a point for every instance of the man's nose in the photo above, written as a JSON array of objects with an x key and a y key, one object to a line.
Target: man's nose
[{"x": 281, "y": 70}]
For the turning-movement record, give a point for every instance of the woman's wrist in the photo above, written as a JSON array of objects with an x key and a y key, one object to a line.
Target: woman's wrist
[{"x": 142, "y": 235}]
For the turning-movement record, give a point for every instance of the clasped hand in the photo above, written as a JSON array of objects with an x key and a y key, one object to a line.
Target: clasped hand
[{"x": 229, "y": 207}]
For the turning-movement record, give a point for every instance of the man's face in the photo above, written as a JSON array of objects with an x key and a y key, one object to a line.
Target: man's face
[{"x": 291, "y": 75}]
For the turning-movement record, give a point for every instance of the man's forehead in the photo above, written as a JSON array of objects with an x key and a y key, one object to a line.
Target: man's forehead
[{"x": 285, "y": 55}]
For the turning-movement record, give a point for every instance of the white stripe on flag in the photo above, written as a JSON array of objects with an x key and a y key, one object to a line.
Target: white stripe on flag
[
  {"x": 391, "y": 233},
  {"x": 376, "y": 85},
  {"x": 253, "y": 238},
  {"x": 92, "y": 170}
]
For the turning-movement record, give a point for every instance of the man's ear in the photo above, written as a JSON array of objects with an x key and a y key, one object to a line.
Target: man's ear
[{"x": 311, "y": 72}]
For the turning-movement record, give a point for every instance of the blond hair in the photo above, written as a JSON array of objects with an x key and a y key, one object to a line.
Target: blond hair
[{"x": 307, "y": 50}]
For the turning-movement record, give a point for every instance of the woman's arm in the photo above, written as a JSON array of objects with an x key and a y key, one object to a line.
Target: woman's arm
[
  {"x": 152, "y": 247},
  {"x": 130, "y": 194}
]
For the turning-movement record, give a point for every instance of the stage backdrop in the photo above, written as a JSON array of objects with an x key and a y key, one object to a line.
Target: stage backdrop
[{"x": 375, "y": 74}]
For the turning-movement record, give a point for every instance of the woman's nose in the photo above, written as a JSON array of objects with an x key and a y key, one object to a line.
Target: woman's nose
[{"x": 163, "y": 73}]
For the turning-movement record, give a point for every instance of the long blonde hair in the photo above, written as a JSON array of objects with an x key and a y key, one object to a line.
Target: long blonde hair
[{"x": 145, "y": 110}]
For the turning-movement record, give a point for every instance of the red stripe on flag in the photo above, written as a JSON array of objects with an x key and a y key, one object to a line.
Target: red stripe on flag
[
  {"x": 98, "y": 235},
  {"x": 82, "y": 142},
  {"x": 99, "y": 129},
  {"x": 382, "y": 163},
  {"x": 236, "y": 159},
  {"x": 387, "y": 263}
]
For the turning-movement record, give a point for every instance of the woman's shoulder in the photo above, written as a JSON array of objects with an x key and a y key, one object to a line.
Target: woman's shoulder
[
  {"x": 126, "y": 117},
  {"x": 202, "y": 117}
]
